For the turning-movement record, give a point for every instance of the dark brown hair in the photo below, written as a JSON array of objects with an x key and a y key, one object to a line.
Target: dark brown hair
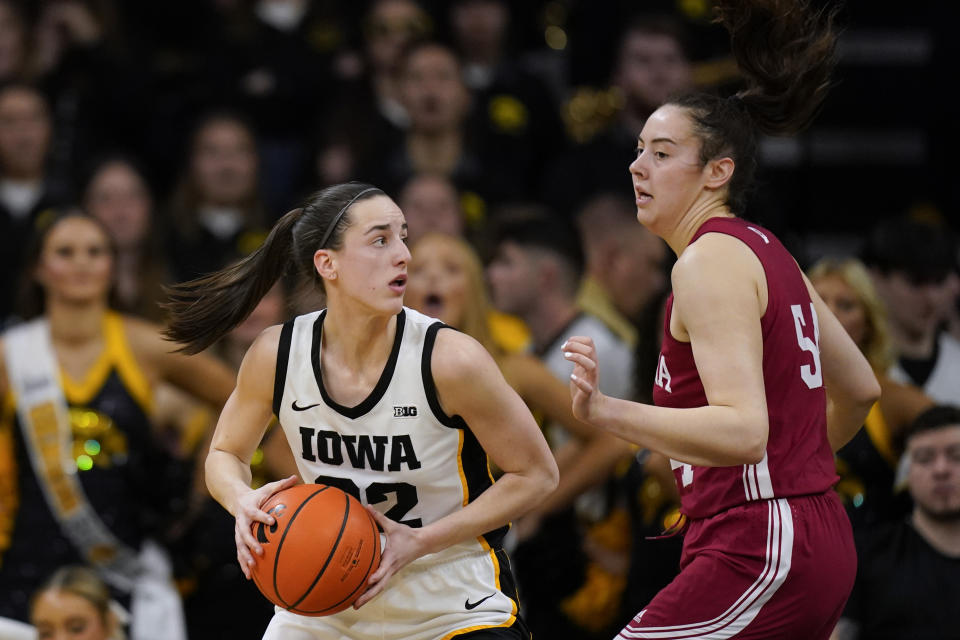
[
  {"x": 31, "y": 296},
  {"x": 205, "y": 309},
  {"x": 786, "y": 51}
]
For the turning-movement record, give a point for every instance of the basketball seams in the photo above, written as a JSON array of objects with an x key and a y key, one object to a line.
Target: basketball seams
[
  {"x": 374, "y": 558},
  {"x": 333, "y": 550},
  {"x": 276, "y": 561}
]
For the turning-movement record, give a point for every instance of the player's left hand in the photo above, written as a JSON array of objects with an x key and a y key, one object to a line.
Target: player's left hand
[{"x": 403, "y": 546}]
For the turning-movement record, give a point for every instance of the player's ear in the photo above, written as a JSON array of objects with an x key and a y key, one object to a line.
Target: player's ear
[
  {"x": 325, "y": 263},
  {"x": 719, "y": 172}
]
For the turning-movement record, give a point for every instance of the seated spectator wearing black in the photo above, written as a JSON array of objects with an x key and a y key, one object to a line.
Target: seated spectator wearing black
[
  {"x": 652, "y": 65},
  {"x": 368, "y": 114},
  {"x": 216, "y": 215},
  {"x": 26, "y": 188},
  {"x": 278, "y": 70},
  {"x": 117, "y": 194},
  {"x": 438, "y": 140},
  {"x": 514, "y": 117},
  {"x": 911, "y": 263},
  {"x": 100, "y": 97},
  {"x": 908, "y": 574}
]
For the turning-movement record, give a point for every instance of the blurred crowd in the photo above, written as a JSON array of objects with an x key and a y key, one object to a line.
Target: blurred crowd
[{"x": 185, "y": 129}]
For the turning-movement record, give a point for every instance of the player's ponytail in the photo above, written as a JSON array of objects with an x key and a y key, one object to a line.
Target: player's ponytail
[
  {"x": 207, "y": 308},
  {"x": 785, "y": 50}
]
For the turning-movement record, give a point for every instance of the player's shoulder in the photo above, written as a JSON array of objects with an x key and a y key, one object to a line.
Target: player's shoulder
[
  {"x": 266, "y": 345},
  {"x": 457, "y": 356},
  {"x": 710, "y": 253}
]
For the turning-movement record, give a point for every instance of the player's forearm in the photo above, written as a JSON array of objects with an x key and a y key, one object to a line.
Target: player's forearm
[
  {"x": 512, "y": 495},
  {"x": 844, "y": 419},
  {"x": 710, "y": 436},
  {"x": 227, "y": 478}
]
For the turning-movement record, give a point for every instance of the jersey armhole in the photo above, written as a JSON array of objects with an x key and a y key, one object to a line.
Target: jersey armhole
[
  {"x": 283, "y": 358},
  {"x": 429, "y": 387}
]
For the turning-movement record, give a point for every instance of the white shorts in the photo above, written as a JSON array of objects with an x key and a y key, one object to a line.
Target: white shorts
[{"x": 439, "y": 596}]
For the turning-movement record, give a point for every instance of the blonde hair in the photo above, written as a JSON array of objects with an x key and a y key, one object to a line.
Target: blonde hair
[
  {"x": 476, "y": 310},
  {"x": 85, "y": 583},
  {"x": 877, "y": 345}
]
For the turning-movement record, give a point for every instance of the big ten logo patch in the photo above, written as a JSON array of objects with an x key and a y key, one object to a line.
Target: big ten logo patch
[{"x": 405, "y": 412}]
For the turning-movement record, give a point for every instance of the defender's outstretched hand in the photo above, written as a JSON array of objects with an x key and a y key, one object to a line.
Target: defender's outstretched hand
[{"x": 585, "y": 379}]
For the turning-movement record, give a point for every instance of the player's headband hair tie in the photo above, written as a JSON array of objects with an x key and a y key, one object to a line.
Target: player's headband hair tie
[{"x": 336, "y": 218}]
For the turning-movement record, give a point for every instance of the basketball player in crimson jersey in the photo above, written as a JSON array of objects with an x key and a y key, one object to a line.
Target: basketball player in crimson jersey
[{"x": 757, "y": 382}]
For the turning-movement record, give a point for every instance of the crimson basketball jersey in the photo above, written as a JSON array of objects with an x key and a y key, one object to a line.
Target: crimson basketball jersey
[{"x": 798, "y": 459}]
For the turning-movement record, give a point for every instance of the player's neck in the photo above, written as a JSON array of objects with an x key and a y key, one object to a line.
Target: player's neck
[
  {"x": 355, "y": 340},
  {"x": 944, "y": 536},
  {"x": 706, "y": 207},
  {"x": 74, "y": 323}
]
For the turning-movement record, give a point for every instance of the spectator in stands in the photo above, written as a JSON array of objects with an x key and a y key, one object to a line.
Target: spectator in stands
[
  {"x": 117, "y": 194},
  {"x": 13, "y": 41},
  {"x": 652, "y": 65},
  {"x": 26, "y": 188},
  {"x": 908, "y": 572},
  {"x": 75, "y": 603},
  {"x": 370, "y": 115},
  {"x": 867, "y": 464},
  {"x": 431, "y": 204},
  {"x": 911, "y": 263},
  {"x": 446, "y": 282},
  {"x": 438, "y": 139},
  {"x": 535, "y": 274},
  {"x": 99, "y": 96},
  {"x": 278, "y": 71},
  {"x": 514, "y": 117},
  {"x": 625, "y": 264},
  {"x": 216, "y": 214}
]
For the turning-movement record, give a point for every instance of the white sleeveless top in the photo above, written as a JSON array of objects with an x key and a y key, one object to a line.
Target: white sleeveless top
[{"x": 397, "y": 450}]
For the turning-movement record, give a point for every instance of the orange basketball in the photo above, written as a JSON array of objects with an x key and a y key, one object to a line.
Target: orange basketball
[{"x": 319, "y": 553}]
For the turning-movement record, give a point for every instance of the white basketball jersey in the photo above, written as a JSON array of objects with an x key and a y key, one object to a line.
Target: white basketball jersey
[{"x": 397, "y": 450}]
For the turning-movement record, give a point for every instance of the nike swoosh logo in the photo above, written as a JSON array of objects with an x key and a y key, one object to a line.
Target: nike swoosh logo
[
  {"x": 473, "y": 605},
  {"x": 309, "y": 406}
]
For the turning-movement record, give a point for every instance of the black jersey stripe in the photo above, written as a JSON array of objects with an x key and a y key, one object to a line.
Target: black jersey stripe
[
  {"x": 473, "y": 459},
  {"x": 283, "y": 359},
  {"x": 430, "y": 389}
]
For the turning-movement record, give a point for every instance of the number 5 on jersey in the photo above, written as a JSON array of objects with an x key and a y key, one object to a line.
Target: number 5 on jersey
[{"x": 813, "y": 378}]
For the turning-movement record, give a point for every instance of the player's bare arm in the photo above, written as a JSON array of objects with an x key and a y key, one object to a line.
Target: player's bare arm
[
  {"x": 717, "y": 283},
  {"x": 241, "y": 426},
  {"x": 851, "y": 386}
]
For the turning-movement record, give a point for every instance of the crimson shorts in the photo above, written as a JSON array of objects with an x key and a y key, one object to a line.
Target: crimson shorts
[{"x": 771, "y": 569}]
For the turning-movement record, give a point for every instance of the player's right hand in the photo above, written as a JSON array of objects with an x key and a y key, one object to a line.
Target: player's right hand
[
  {"x": 585, "y": 379},
  {"x": 247, "y": 512}
]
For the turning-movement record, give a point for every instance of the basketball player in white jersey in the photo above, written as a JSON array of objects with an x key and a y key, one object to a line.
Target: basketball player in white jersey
[{"x": 384, "y": 403}]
